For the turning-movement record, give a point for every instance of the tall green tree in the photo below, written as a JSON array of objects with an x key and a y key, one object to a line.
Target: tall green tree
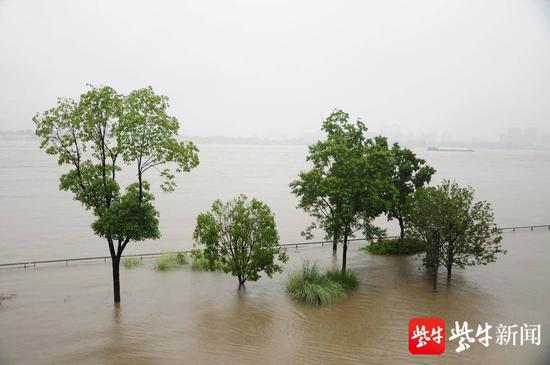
[
  {"x": 241, "y": 235},
  {"x": 409, "y": 173},
  {"x": 94, "y": 137},
  {"x": 466, "y": 232},
  {"x": 349, "y": 181}
]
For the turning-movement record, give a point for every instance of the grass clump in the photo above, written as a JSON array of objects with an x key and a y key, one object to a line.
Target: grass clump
[
  {"x": 199, "y": 262},
  {"x": 170, "y": 260},
  {"x": 397, "y": 246},
  {"x": 310, "y": 286},
  {"x": 348, "y": 280},
  {"x": 131, "y": 262}
]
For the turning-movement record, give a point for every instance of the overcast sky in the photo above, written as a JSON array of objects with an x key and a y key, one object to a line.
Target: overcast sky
[{"x": 460, "y": 69}]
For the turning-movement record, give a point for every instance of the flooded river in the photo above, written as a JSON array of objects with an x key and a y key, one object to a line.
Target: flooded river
[{"x": 64, "y": 314}]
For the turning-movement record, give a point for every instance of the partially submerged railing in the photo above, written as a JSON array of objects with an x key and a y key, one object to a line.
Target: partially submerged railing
[
  {"x": 26, "y": 264},
  {"x": 513, "y": 229}
]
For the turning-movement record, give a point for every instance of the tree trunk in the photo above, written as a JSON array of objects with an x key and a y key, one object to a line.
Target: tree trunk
[
  {"x": 334, "y": 244},
  {"x": 140, "y": 187},
  {"x": 449, "y": 269},
  {"x": 241, "y": 282},
  {"x": 344, "y": 253},
  {"x": 116, "y": 278},
  {"x": 401, "y": 226}
]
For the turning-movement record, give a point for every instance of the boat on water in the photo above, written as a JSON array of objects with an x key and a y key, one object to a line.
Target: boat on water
[{"x": 451, "y": 149}]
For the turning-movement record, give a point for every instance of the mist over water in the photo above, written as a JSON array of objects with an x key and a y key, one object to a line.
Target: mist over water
[{"x": 64, "y": 314}]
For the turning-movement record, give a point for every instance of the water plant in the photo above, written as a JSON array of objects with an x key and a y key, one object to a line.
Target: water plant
[
  {"x": 348, "y": 280},
  {"x": 131, "y": 262},
  {"x": 170, "y": 260},
  {"x": 398, "y": 246},
  {"x": 308, "y": 285}
]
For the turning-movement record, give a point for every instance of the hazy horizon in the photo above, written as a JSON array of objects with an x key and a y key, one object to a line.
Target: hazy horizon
[{"x": 457, "y": 70}]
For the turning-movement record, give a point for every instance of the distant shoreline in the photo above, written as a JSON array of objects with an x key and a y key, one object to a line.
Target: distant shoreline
[{"x": 28, "y": 135}]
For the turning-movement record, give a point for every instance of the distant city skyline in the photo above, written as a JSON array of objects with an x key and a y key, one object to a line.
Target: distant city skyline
[{"x": 512, "y": 138}]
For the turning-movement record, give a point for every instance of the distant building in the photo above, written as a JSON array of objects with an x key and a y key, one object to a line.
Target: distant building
[{"x": 524, "y": 139}]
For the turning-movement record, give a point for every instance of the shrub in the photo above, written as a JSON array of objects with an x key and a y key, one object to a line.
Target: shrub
[
  {"x": 311, "y": 287},
  {"x": 199, "y": 262},
  {"x": 170, "y": 260},
  {"x": 131, "y": 262},
  {"x": 405, "y": 246},
  {"x": 243, "y": 236}
]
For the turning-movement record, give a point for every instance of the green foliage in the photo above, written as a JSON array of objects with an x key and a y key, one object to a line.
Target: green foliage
[
  {"x": 466, "y": 231},
  {"x": 105, "y": 128},
  {"x": 398, "y": 246},
  {"x": 349, "y": 182},
  {"x": 309, "y": 286},
  {"x": 170, "y": 260},
  {"x": 200, "y": 262},
  {"x": 131, "y": 262},
  {"x": 129, "y": 218},
  {"x": 98, "y": 133},
  {"x": 409, "y": 174},
  {"x": 148, "y": 135},
  {"x": 348, "y": 280},
  {"x": 242, "y": 236}
]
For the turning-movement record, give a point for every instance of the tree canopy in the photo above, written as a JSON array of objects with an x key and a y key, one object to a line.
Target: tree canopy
[
  {"x": 408, "y": 174},
  {"x": 467, "y": 234},
  {"x": 241, "y": 235},
  {"x": 348, "y": 183}
]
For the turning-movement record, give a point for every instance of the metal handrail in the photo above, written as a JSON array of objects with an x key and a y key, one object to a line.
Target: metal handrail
[
  {"x": 296, "y": 245},
  {"x": 524, "y": 227}
]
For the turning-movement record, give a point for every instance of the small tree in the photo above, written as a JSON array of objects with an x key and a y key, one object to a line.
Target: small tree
[
  {"x": 93, "y": 136},
  {"x": 409, "y": 173},
  {"x": 466, "y": 231},
  {"x": 348, "y": 183},
  {"x": 242, "y": 236}
]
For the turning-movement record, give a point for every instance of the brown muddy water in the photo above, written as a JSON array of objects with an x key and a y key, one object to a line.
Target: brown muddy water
[{"x": 65, "y": 315}]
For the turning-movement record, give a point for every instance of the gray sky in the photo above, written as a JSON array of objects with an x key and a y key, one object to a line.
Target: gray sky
[{"x": 461, "y": 69}]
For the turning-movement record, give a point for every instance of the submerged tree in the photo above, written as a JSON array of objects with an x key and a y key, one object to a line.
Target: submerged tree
[
  {"x": 242, "y": 236},
  {"x": 97, "y": 133},
  {"x": 467, "y": 234},
  {"x": 409, "y": 173},
  {"x": 348, "y": 184},
  {"x": 311, "y": 190}
]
